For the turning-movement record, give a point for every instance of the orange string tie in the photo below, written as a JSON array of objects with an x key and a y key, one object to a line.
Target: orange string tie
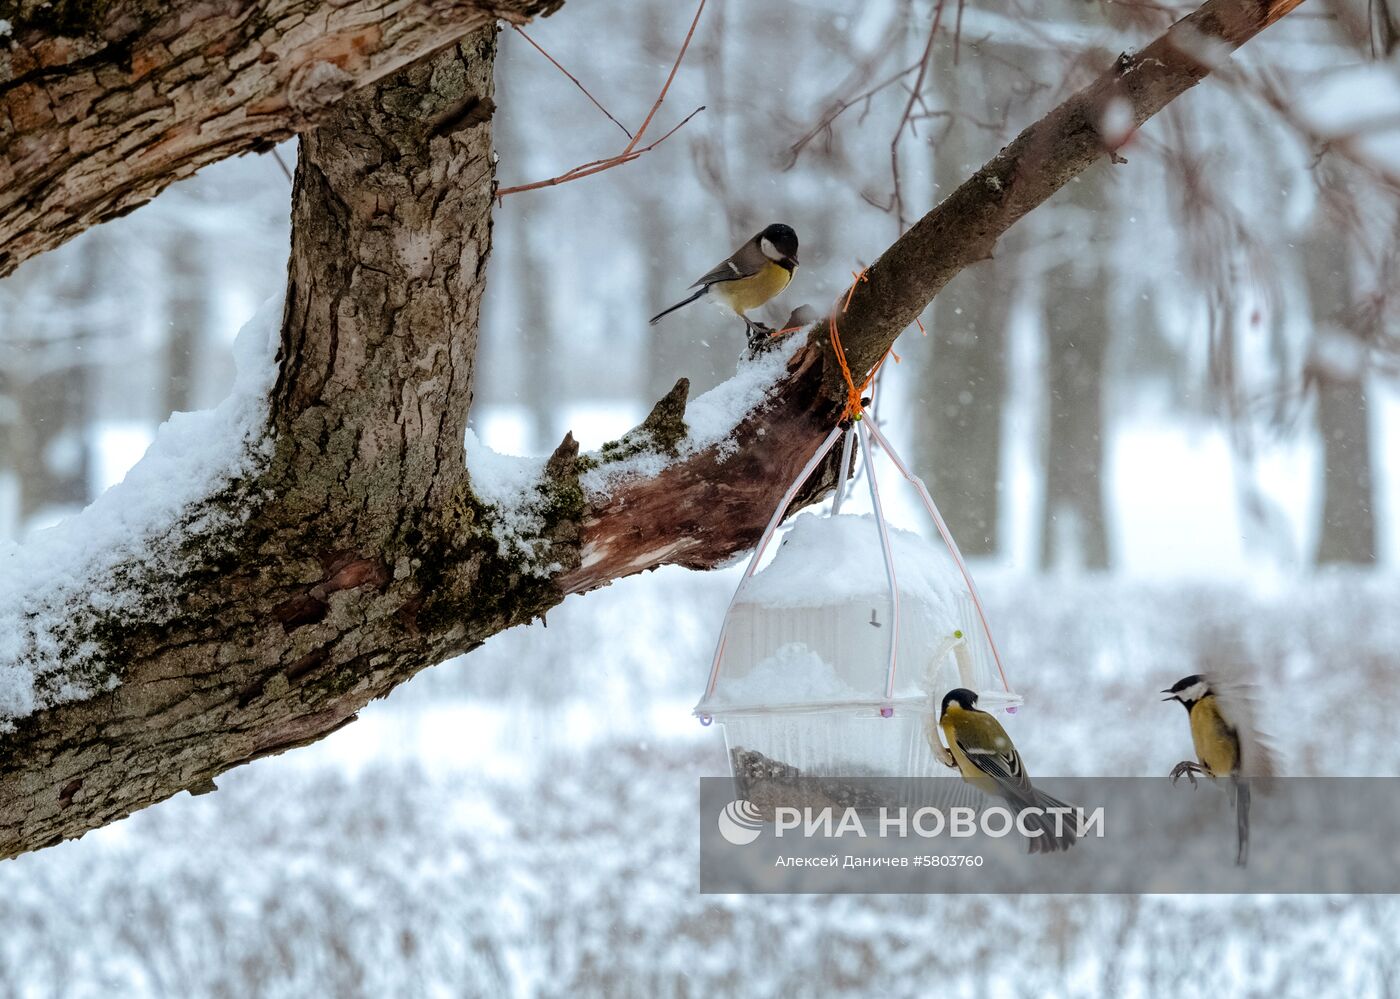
[
  {"x": 859, "y": 277},
  {"x": 853, "y": 404},
  {"x": 870, "y": 379},
  {"x": 854, "y": 394}
]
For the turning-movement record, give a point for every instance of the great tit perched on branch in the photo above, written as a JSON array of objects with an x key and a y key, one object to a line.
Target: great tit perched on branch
[
  {"x": 753, "y": 274},
  {"x": 1228, "y": 743},
  {"x": 989, "y": 762}
]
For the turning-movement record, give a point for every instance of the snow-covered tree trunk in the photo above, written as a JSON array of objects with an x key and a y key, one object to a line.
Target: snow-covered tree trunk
[{"x": 348, "y": 545}]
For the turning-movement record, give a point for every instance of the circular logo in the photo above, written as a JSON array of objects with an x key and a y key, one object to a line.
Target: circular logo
[{"x": 740, "y": 822}]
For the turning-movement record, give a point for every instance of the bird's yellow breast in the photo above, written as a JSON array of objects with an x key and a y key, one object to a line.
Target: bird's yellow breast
[
  {"x": 749, "y": 293},
  {"x": 965, "y": 726},
  {"x": 1217, "y": 746}
]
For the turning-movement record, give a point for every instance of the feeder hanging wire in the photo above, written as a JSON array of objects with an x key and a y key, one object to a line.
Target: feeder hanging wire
[
  {"x": 767, "y": 536},
  {"x": 947, "y": 537},
  {"x": 862, "y": 422},
  {"x": 841, "y": 481},
  {"x": 887, "y": 709}
]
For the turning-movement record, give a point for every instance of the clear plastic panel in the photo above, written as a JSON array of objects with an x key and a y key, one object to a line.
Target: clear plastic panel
[{"x": 769, "y": 750}]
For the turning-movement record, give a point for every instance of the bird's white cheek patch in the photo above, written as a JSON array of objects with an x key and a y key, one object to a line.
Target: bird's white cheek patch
[
  {"x": 769, "y": 250},
  {"x": 1194, "y": 692}
]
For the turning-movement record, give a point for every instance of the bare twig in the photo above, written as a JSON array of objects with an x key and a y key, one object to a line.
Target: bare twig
[
  {"x": 538, "y": 48},
  {"x": 598, "y": 166},
  {"x": 841, "y": 106},
  {"x": 631, "y": 152},
  {"x": 897, "y": 198},
  {"x": 285, "y": 169},
  {"x": 667, "y": 85},
  {"x": 957, "y": 32}
]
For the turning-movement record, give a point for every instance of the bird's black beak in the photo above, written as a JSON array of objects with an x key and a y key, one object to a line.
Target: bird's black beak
[
  {"x": 790, "y": 261},
  {"x": 1170, "y": 696}
]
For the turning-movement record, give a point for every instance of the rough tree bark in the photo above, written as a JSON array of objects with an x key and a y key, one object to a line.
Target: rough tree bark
[
  {"x": 95, "y": 90},
  {"x": 356, "y": 553}
]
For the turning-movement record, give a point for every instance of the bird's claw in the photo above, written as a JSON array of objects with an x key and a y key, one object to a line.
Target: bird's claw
[
  {"x": 1185, "y": 769},
  {"x": 760, "y": 337}
]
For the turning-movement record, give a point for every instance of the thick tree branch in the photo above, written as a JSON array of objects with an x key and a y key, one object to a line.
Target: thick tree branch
[
  {"x": 703, "y": 511},
  {"x": 356, "y": 552},
  {"x": 103, "y": 104}
]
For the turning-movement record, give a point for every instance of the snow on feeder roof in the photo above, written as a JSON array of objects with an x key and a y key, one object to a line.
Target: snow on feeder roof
[{"x": 833, "y": 656}]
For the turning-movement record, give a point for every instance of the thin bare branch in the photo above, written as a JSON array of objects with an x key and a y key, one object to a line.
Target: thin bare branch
[
  {"x": 596, "y": 103},
  {"x": 598, "y": 166},
  {"x": 897, "y": 198},
  {"x": 631, "y": 151}
]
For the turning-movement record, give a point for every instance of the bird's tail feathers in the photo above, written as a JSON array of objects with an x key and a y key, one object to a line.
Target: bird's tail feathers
[
  {"x": 1047, "y": 823},
  {"x": 1241, "y": 794},
  {"x": 684, "y": 302}
]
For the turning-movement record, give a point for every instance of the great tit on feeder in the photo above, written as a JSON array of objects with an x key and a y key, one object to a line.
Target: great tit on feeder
[
  {"x": 1228, "y": 745},
  {"x": 753, "y": 274},
  {"x": 988, "y": 761}
]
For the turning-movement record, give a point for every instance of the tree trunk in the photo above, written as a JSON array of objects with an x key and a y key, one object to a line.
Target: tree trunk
[
  {"x": 669, "y": 345},
  {"x": 355, "y": 559},
  {"x": 187, "y": 313},
  {"x": 1348, "y": 530},
  {"x": 350, "y": 550},
  {"x": 965, "y": 388},
  {"x": 1337, "y": 369},
  {"x": 1074, "y": 530},
  {"x": 539, "y": 387},
  {"x": 964, "y": 384},
  {"x": 49, "y": 442},
  {"x": 51, "y": 460}
]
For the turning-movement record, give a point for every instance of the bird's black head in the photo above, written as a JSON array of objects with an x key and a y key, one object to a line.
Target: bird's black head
[
  {"x": 1188, "y": 690},
  {"x": 779, "y": 244},
  {"x": 960, "y": 696}
]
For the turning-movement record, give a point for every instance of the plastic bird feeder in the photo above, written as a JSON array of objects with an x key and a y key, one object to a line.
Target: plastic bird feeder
[{"x": 833, "y": 655}]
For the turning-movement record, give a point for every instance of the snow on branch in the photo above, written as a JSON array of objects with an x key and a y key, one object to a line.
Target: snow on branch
[{"x": 127, "y": 554}]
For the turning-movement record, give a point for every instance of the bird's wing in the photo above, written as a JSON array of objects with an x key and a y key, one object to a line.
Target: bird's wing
[
  {"x": 746, "y": 261},
  {"x": 988, "y": 748},
  {"x": 727, "y": 271},
  {"x": 1238, "y": 701}
]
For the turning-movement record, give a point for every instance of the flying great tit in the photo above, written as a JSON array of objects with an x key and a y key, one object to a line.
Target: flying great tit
[
  {"x": 989, "y": 762},
  {"x": 1228, "y": 743},
  {"x": 753, "y": 274}
]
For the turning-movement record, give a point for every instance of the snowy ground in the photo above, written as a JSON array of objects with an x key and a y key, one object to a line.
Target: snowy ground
[{"x": 522, "y": 822}]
